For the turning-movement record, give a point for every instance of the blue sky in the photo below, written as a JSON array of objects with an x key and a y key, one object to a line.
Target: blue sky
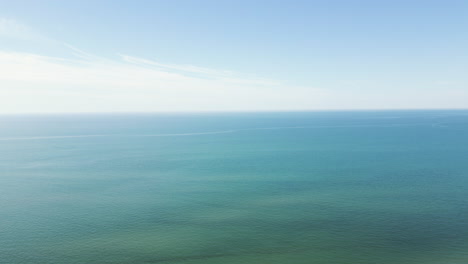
[{"x": 124, "y": 56}]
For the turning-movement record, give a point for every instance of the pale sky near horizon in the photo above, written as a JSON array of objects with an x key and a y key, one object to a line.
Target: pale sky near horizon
[{"x": 150, "y": 56}]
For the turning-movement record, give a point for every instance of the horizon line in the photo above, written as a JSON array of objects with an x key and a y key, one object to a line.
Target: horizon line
[{"x": 235, "y": 111}]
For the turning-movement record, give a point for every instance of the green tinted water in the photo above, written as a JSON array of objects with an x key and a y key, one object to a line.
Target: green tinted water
[{"x": 330, "y": 187}]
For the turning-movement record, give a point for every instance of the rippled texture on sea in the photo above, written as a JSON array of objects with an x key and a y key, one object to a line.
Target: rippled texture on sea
[{"x": 263, "y": 188}]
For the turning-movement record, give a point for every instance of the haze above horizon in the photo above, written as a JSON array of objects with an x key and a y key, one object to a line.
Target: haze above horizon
[{"x": 198, "y": 56}]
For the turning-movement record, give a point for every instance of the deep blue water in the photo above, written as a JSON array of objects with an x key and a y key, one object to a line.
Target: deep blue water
[{"x": 316, "y": 188}]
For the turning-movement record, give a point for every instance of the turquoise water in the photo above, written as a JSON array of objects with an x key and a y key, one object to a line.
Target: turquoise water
[{"x": 319, "y": 187}]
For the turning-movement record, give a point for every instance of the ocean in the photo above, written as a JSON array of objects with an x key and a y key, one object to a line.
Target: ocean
[{"x": 356, "y": 187}]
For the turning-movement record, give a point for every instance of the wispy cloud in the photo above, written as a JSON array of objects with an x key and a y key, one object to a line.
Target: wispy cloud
[
  {"x": 182, "y": 68},
  {"x": 91, "y": 83},
  {"x": 223, "y": 75},
  {"x": 85, "y": 82}
]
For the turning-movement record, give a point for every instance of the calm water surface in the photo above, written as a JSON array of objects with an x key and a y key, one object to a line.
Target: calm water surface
[{"x": 315, "y": 188}]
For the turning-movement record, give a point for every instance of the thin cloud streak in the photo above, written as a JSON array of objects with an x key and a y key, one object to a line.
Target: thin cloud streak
[
  {"x": 90, "y": 83},
  {"x": 183, "y": 68},
  {"x": 31, "y": 83},
  {"x": 84, "y": 82}
]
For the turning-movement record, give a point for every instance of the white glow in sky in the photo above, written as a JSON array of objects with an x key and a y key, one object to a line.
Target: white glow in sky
[{"x": 166, "y": 57}]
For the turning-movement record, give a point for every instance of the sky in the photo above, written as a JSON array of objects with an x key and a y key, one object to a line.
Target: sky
[{"x": 217, "y": 55}]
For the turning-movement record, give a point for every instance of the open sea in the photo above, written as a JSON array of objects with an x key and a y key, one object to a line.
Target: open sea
[{"x": 358, "y": 187}]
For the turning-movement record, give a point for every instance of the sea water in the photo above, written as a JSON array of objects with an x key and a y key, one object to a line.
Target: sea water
[{"x": 314, "y": 187}]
